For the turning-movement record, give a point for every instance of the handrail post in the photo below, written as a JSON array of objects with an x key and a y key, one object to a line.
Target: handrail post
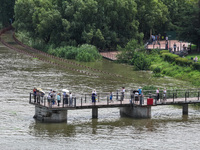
[
  {"x": 30, "y": 98},
  {"x": 173, "y": 97},
  {"x": 185, "y": 96},
  {"x": 74, "y": 101},
  {"x": 81, "y": 102},
  {"x": 98, "y": 97},
  {"x": 63, "y": 102},
  {"x": 117, "y": 95},
  {"x": 198, "y": 95},
  {"x": 85, "y": 98},
  {"x": 107, "y": 100}
]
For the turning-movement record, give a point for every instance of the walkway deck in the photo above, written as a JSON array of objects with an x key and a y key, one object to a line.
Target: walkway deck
[
  {"x": 177, "y": 97},
  {"x": 162, "y": 45},
  {"x": 110, "y": 55}
]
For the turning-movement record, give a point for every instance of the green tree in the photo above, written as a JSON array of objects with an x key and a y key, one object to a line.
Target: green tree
[
  {"x": 6, "y": 11},
  {"x": 152, "y": 15},
  {"x": 189, "y": 24}
]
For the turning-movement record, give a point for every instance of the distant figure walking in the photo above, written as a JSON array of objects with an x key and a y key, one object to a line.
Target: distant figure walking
[
  {"x": 174, "y": 47},
  {"x": 195, "y": 59}
]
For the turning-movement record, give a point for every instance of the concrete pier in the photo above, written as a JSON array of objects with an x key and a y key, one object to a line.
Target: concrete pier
[
  {"x": 46, "y": 114},
  {"x": 94, "y": 112},
  {"x": 136, "y": 111},
  {"x": 185, "y": 109}
]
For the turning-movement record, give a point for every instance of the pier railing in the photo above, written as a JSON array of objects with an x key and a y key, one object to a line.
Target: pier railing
[{"x": 172, "y": 96}]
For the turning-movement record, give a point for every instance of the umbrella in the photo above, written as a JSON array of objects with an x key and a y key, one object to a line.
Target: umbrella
[
  {"x": 65, "y": 90},
  {"x": 39, "y": 89}
]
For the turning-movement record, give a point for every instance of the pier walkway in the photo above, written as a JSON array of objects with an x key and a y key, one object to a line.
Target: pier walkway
[{"x": 173, "y": 97}]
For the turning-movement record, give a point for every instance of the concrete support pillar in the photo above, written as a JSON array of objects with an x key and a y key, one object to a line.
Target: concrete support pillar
[
  {"x": 136, "y": 111},
  {"x": 94, "y": 112},
  {"x": 45, "y": 114},
  {"x": 185, "y": 109}
]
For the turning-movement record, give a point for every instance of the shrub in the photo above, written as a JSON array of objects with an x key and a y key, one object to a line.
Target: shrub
[
  {"x": 88, "y": 53},
  {"x": 183, "y": 61},
  {"x": 156, "y": 70},
  {"x": 196, "y": 66},
  {"x": 164, "y": 51},
  {"x": 141, "y": 62},
  {"x": 169, "y": 57}
]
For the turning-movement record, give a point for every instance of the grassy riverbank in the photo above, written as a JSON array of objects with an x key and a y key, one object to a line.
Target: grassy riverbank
[{"x": 188, "y": 73}]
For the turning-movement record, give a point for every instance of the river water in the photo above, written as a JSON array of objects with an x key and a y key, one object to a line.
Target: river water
[{"x": 167, "y": 129}]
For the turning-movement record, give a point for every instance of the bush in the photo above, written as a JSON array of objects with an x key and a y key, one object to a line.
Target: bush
[
  {"x": 156, "y": 70},
  {"x": 164, "y": 51},
  {"x": 169, "y": 57},
  {"x": 141, "y": 62},
  {"x": 183, "y": 61},
  {"x": 196, "y": 66},
  {"x": 86, "y": 53}
]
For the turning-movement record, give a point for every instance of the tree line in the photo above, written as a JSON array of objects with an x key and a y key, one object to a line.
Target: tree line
[{"x": 103, "y": 23}]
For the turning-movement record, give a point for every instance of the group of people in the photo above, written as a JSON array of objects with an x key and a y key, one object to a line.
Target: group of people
[{"x": 53, "y": 98}]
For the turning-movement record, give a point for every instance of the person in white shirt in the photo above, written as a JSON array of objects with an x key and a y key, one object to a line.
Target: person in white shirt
[{"x": 157, "y": 94}]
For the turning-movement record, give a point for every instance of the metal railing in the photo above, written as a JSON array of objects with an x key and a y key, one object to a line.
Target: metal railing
[{"x": 172, "y": 96}]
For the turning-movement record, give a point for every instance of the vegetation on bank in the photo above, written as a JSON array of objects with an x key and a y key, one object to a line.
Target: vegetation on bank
[
  {"x": 85, "y": 53},
  {"x": 104, "y": 24},
  {"x": 161, "y": 62}
]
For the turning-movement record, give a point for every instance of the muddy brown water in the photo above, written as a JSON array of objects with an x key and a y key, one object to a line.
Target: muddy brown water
[{"x": 167, "y": 129}]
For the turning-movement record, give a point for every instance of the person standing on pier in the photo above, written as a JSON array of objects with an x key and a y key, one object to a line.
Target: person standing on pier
[
  {"x": 94, "y": 97},
  {"x": 34, "y": 94},
  {"x": 58, "y": 99},
  {"x": 123, "y": 92},
  {"x": 111, "y": 96},
  {"x": 164, "y": 95},
  {"x": 70, "y": 99},
  {"x": 157, "y": 94}
]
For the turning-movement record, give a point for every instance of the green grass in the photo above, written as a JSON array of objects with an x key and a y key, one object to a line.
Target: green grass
[
  {"x": 176, "y": 71},
  {"x": 193, "y": 55}
]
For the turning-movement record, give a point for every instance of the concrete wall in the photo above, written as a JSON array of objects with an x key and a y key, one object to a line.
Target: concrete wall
[
  {"x": 136, "y": 112},
  {"x": 45, "y": 114}
]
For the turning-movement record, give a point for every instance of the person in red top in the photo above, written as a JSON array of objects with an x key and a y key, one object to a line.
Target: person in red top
[{"x": 34, "y": 94}]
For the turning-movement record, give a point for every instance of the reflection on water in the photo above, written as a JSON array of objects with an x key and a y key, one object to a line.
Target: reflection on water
[{"x": 18, "y": 129}]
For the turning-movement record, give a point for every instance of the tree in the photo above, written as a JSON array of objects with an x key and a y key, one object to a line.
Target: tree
[
  {"x": 190, "y": 23},
  {"x": 152, "y": 15},
  {"x": 6, "y": 11}
]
